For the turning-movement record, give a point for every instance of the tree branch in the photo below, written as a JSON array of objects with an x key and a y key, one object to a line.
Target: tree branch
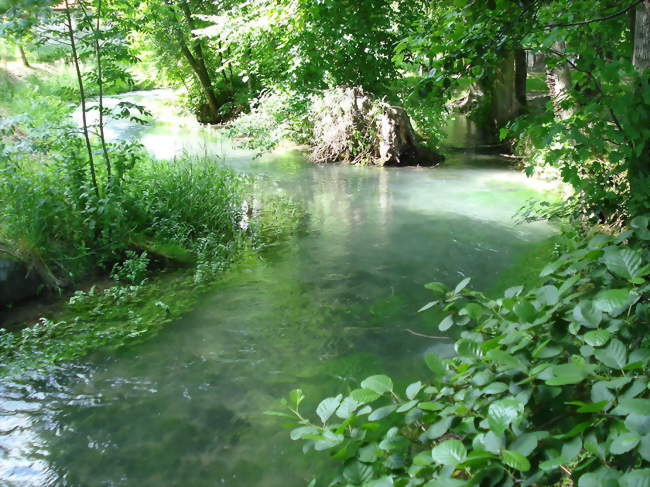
[{"x": 600, "y": 19}]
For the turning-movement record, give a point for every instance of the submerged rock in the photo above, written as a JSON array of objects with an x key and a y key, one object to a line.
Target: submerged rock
[
  {"x": 17, "y": 283},
  {"x": 352, "y": 127}
]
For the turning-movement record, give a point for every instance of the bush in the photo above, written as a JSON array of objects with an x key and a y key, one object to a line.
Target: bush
[{"x": 549, "y": 386}]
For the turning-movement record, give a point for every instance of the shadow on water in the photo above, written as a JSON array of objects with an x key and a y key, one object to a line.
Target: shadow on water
[{"x": 185, "y": 409}]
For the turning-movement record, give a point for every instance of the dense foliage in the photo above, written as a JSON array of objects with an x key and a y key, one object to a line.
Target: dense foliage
[{"x": 546, "y": 383}]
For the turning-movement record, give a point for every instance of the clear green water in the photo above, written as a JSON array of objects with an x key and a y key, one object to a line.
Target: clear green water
[{"x": 185, "y": 409}]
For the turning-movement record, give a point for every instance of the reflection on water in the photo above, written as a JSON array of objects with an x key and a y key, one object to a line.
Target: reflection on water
[{"x": 185, "y": 409}]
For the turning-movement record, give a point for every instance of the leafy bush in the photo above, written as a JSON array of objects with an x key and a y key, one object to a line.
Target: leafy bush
[
  {"x": 133, "y": 269},
  {"x": 548, "y": 386}
]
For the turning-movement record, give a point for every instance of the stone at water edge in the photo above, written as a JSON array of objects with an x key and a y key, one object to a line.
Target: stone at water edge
[{"x": 17, "y": 283}]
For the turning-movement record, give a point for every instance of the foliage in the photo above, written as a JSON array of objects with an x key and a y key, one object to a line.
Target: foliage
[{"x": 546, "y": 383}]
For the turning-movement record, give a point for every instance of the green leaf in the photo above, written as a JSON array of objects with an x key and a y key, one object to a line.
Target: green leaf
[
  {"x": 587, "y": 314},
  {"x": 448, "y": 482},
  {"x": 303, "y": 431},
  {"x": 549, "y": 295},
  {"x": 634, "y": 406},
  {"x": 450, "y": 452},
  {"x": 437, "y": 429},
  {"x": 613, "y": 301},
  {"x": 413, "y": 389},
  {"x": 364, "y": 396},
  {"x": 507, "y": 360},
  {"x": 435, "y": 364},
  {"x": 446, "y": 323},
  {"x": 525, "y": 444},
  {"x": 515, "y": 460},
  {"x": 437, "y": 287},
  {"x": 296, "y": 397},
  {"x": 624, "y": 443},
  {"x": 636, "y": 478},
  {"x": 625, "y": 263},
  {"x": 378, "y": 383},
  {"x": 382, "y": 412},
  {"x": 495, "y": 388},
  {"x": 347, "y": 407},
  {"x": 569, "y": 373},
  {"x": 597, "y": 338},
  {"x": 468, "y": 348},
  {"x": 525, "y": 311},
  {"x": 462, "y": 285},
  {"x": 423, "y": 458},
  {"x": 327, "y": 407},
  {"x": 430, "y": 304},
  {"x": 502, "y": 413},
  {"x": 357, "y": 473},
  {"x": 614, "y": 356}
]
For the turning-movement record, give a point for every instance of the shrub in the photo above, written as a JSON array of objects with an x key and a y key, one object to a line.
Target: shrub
[{"x": 549, "y": 386}]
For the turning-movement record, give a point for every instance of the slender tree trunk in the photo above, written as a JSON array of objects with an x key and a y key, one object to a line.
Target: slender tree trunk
[
  {"x": 558, "y": 80},
  {"x": 521, "y": 74},
  {"x": 23, "y": 56},
  {"x": 82, "y": 98},
  {"x": 641, "y": 56},
  {"x": 100, "y": 86}
]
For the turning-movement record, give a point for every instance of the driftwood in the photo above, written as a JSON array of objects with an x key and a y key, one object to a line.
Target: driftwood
[{"x": 350, "y": 126}]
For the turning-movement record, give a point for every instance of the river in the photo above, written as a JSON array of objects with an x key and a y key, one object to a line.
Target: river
[{"x": 321, "y": 313}]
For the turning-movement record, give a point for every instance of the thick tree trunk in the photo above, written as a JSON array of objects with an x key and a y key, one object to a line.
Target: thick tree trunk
[
  {"x": 558, "y": 80},
  {"x": 506, "y": 105}
]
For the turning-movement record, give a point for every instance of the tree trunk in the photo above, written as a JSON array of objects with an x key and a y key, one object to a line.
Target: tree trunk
[
  {"x": 639, "y": 169},
  {"x": 506, "y": 105},
  {"x": 558, "y": 80},
  {"x": 197, "y": 61},
  {"x": 521, "y": 74},
  {"x": 100, "y": 86},
  {"x": 641, "y": 56},
  {"x": 23, "y": 56}
]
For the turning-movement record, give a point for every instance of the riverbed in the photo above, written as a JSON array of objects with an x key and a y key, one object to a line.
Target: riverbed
[{"x": 322, "y": 312}]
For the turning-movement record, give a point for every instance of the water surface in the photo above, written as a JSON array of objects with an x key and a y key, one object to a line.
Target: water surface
[{"x": 185, "y": 409}]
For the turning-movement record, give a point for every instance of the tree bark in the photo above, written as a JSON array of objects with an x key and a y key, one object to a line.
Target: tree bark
[
  {"x": 196, "y": 60},
  {"x": 641, "y": 56},
  {"x": 521, "y": 74},
  {"x": 505, "y": 101},
  {"x": 23, "y": 56},
  {"x": 100, "y": 86},
  {"x": 558, "y": 80}
]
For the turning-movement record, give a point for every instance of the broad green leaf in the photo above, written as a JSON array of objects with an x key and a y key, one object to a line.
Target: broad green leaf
[
  {"x": 437, "y": 429},
  {"x": 507, "y": 360},
  {"x": 624, "y": 443},
  {"x": 327, "y": 407},
  {"x": 378, "y": 383},
  {"x": 435, "y": 364},
  {"x": 357, "y": 473},
  {"x": 614, "y": 355},
  {"x": 638, "y": 423},
  {"x": 613, "y": 301},
  {"x": 634, "y": 406},
  {"x": 587, "y": 314},
  {"x": 549, "y": 295},
  {"x": 569, "y": 373},
  {"x": 450, "y": 452},
  {"x": 437, "y": 287},
  {"x": 525, "y": 311},
  {"x": 597, "y": 338},
  {"x": 644, "y": 448},
  {"x": 427, "y": 306},
  {"x": 347, "y": 407},
  {"x": 303, "y": 431},
  {"x": 636, "y": 478},
  {"x": 448, "y": 482},
  {"x": 364, "y": 396},
  {"x": 515, "y": 460},
  {"x": 502, "y": 413},
  {"x": 625, "y": 263},
  {"x": 494, "y": 388},
  {"x": 296, "y": 397},
  {"x": 382, "y": 412},
  {"x": 413, "y": 389},
  {"x": 525, "y": 444},
  {"x": 468, "y": 348},
  {"x": 407, "y": 406},
  {"x": 446, "y": 323}
]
